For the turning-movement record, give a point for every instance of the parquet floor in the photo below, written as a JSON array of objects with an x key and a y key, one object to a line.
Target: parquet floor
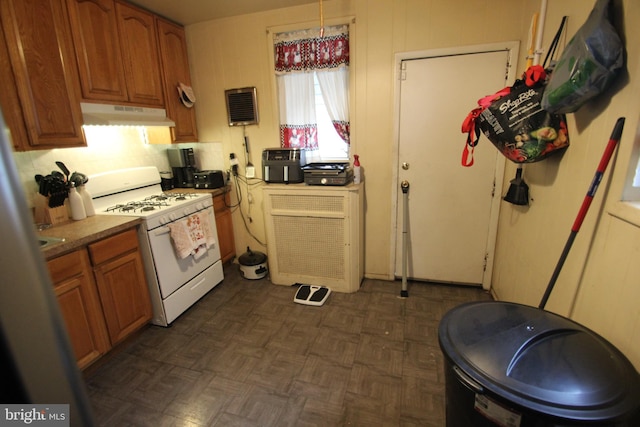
[{"x": 247, "y": 355}]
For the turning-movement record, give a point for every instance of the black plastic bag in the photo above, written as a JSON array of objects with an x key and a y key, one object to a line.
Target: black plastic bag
[
  {"x": 589, "y": 64},
  {"x": 519, "y": 127}
]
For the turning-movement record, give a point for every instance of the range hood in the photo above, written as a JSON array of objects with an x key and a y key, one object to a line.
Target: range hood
[{"x": 124, "y": 115}]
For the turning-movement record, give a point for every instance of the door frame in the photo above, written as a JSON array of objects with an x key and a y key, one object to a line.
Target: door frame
[{"x": 512, "y": 47}]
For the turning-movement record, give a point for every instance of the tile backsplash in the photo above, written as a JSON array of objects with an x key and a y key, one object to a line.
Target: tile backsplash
[{"x": 110, "y": 148}]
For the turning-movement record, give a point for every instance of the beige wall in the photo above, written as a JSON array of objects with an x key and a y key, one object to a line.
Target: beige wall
[{"x": 599, "y": 280}]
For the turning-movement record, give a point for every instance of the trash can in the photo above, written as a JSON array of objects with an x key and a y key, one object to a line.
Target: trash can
[{"x": 512, "y": 365}]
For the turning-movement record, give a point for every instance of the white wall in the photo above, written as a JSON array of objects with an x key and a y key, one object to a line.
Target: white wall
[
  {"x": 598, "y": 284},
  {"x": 108, "y": 148},
  {"x": 234, "y": 52}
]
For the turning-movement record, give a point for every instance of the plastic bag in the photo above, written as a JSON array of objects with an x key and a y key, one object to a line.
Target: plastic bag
[
  {"x": 589, "y": 64},
  {"x": 519, "y": 127}
]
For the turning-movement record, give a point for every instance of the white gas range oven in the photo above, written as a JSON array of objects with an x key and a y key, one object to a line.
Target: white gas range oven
[{"x": 177, "y": 278}]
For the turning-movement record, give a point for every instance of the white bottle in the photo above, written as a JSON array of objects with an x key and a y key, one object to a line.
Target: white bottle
[
  {"x": 75, "y": 201},
  {"x": 356, "y": 169},
  {"x": 87, "y": 200}
]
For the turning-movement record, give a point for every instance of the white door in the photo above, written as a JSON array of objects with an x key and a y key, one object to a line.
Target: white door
[{"x": 452, "y": 209}]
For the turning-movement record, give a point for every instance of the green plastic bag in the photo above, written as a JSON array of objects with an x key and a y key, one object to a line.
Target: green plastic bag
[{"x": 589, "y": 64}]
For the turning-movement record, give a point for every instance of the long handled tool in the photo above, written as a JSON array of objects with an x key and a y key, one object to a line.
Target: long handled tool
[
  {"x": 606, "y": 156},
  {"x": 404, "y": 185}
]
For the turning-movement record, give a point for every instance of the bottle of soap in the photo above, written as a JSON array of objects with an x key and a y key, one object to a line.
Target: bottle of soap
[
  {"x": 77, "y": 206},
  {"x": 87, "y": 200},
  {"x": 356, "y": 169}
]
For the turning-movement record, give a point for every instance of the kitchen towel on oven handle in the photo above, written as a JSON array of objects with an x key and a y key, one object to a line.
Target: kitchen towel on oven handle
[{"x": 192, "y": 235}]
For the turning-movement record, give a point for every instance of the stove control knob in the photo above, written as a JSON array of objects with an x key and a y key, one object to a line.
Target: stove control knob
[
  {"x": 163, "y": 220},
  {"x": 199, "y": 206},
  {"x": 172, "y": 217}
]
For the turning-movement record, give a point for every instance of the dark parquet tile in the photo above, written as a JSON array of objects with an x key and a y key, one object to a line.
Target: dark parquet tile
[{"x": 247, "y": 355}]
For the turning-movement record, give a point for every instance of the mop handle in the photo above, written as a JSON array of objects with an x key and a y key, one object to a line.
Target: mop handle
[{"x": 606, "y": 157}]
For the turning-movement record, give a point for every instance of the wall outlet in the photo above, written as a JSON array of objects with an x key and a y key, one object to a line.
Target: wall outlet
[{"x": 250, "y": 172}]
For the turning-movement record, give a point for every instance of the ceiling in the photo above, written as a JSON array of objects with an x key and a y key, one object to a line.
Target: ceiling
[{"x": 187, "y": 12}]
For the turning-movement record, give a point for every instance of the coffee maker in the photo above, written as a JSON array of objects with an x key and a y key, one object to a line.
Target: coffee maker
[{"x": 183, "y": 164}]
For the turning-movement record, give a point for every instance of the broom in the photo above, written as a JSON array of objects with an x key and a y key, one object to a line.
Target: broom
[{"x": 604, "y": 161}]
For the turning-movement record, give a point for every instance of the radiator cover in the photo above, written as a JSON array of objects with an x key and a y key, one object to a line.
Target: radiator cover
[{"x": 314, "y": 235}]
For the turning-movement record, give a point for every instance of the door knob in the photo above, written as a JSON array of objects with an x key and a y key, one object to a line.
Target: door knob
[{"x": 405, "y": 165}]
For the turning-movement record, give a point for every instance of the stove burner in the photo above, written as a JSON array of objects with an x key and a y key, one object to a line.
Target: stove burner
[
  {"x": 178, "y": 196},
  {"x": 158, "y": 197},
  {"x": 138, "y": 206},
  {"x": 152, "y": 203}
]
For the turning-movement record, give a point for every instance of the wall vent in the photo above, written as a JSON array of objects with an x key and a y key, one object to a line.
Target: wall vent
[{"x": 242, "y": 106}]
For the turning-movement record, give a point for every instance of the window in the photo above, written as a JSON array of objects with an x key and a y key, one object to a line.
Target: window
[
  {"x": 312, "y": 75},
  {"x": 632, "y": 185},
  {"x": 332, "y": 146}
]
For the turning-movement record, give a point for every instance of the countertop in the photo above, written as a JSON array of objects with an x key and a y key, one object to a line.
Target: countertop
[{"x": 81, "y": 233}]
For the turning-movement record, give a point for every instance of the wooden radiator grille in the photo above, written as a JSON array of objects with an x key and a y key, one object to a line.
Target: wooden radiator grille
[
  {"x": 333, "y": 204},
  {"x": 310, "y": 246}
]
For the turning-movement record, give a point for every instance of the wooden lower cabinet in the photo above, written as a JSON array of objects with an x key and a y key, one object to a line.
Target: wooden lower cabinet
[
  {"x": 80, "y": 306},
  {"x": 121, "y": 284},
  {"x": 102, "y": 293},
  {"x": 224, "y": 226}
]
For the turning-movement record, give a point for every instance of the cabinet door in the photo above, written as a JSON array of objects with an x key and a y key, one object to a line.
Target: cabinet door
[
  {"x": 139, "y": 40},
  {"x": 94, "y": 28},
  {"x": 224, "y": 226},
  {"x": 122, "y": 284},
  {"x": 175, "y": 64},
  {"x": 124, "y": 295},
  {"x": 9, "y": 100},
  {"x": 41, "y": 54},
  {"x": 80, "y": 307}
]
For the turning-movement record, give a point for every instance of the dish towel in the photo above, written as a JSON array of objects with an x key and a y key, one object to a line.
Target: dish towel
[{"x": 192, "y": 235}]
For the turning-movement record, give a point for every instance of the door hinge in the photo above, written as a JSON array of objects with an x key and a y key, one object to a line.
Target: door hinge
[
  {"x": 493, "y": 189},
  {"x": 403, "y": 71},
  {"x": 507, "y": 67},
  {"x": 486, "y": 260}
]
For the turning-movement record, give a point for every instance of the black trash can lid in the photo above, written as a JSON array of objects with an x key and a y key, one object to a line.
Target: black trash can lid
[{"x": 540, "y": 360}]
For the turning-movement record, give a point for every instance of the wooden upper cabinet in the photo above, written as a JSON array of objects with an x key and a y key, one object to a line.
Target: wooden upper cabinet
[
  {"x": 140, "y": 52},
  {"x": 117, "y": 52},
  {"x": 41, "y": 55},
  {"x": 175, "y": 65},
  {"x": 9, "y": 100},
  {"x": 94, "y": 27}
]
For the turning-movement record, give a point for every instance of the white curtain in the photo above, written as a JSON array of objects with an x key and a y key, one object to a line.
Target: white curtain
[
  {"x": 298, "y": 128},
  {"x": 334, "y": 84}
]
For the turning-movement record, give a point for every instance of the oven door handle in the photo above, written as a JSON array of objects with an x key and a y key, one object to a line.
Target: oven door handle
[
  {"x": 161, "y": 230},
  {"x": 200, "y": 282}
]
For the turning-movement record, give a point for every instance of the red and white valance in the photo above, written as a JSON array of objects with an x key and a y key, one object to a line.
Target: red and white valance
[{"x": 301, "y": 51}]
